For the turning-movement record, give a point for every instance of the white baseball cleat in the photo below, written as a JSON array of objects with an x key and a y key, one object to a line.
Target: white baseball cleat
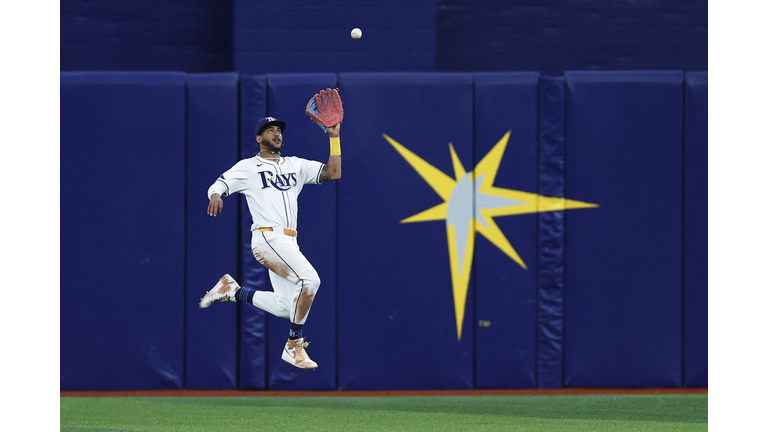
[
  {"x": 295, "y": 354},
  {"x": 224, "y": 290}
]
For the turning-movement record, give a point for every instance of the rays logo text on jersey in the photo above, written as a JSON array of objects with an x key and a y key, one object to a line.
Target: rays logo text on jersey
[{"x": 281, "y": 182}]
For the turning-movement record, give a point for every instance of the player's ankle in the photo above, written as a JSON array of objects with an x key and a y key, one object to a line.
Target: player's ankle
[
  {"x": 295, "y": 331},
  {"x": 245, "y": 295}
]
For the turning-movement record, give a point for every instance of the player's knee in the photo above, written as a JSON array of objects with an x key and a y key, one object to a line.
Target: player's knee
[{"x": 312, "y": 283}]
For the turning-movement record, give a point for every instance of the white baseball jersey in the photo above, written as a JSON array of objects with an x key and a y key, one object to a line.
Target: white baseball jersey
[{"x": 271, "y": 187}]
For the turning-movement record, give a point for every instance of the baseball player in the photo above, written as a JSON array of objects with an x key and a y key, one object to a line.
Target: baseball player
[{"x": 271, "y": 184}]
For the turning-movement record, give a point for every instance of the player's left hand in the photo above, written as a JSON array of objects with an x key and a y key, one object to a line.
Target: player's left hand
[{"x": 326, "y": 108}]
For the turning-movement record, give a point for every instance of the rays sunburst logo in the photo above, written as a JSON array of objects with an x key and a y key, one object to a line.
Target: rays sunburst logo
[{"x": 470, "y": 202}]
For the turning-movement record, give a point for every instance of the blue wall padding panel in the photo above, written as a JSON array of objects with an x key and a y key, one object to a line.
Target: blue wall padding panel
[
  {"x": 696, "y": 228},
  {"x": 122, "y": 246},
  {"x": 288, "y": 96},
  {"x": 299, "y": 37},
  {"x": 623, "y": 260},
  {"x": 395, "y": 293},
  {"x": 212, "y": 143},
  {"x": 253, "y": 328},
  {"x": 551, "y": 289},
  {"x": 505, "y": 291}
]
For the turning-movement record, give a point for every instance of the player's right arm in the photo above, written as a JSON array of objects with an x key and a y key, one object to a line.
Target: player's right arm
[{"x": 232, "y": 181}]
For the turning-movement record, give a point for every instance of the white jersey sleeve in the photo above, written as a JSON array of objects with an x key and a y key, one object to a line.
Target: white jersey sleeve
[
  {"x": 309, "y": 171},
  {"x": 234, "y": 180}
]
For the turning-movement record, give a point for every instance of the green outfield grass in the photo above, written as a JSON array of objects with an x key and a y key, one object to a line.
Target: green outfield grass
[{"x": 387, "y": 413}]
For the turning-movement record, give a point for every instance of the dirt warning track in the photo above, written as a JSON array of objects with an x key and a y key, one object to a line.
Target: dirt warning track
[{"x": 531, "y": 392}]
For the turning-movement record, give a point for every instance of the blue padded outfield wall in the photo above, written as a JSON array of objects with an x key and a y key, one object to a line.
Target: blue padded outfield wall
[
  {"x": 695, "y": 231},
  {"x": 624, "y": 261},
  {"x": 505, "y": 290},
  {"x": 123, "y": 242},
  {"x": 394, "y": 278},
  {"x": 557, "y": 225},
  {"x": 212, "y": 141}
]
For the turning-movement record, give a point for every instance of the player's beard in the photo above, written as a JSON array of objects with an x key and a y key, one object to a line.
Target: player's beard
[{"x": 271, "y": 146}]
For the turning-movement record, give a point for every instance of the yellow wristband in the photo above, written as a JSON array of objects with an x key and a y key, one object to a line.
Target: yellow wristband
[{"x": 335, "y": 146}]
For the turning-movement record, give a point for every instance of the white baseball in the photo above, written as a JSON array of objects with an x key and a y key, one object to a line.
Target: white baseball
[{"x": 356, "y": 33}]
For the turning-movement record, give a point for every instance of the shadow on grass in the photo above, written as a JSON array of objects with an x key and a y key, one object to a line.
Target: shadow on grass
[
  {"x": 79, "y": 429},
  {"x": 656, "y": 408}
]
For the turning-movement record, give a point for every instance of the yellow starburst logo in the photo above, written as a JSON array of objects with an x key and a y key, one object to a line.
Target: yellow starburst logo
[{"x": 470, "y": 202}]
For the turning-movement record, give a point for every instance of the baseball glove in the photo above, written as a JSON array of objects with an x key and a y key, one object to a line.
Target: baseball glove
[{"x": 325, "y": 109}]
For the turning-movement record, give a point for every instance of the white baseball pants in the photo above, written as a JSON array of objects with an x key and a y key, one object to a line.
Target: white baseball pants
[{"x": 294, "y": 281}]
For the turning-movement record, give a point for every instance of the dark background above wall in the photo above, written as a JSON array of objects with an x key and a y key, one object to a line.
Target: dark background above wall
[{"x": 258, "y": 37}]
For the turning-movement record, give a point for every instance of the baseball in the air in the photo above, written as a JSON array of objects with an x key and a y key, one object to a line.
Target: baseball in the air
[{"x": 356, "y": 33}]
